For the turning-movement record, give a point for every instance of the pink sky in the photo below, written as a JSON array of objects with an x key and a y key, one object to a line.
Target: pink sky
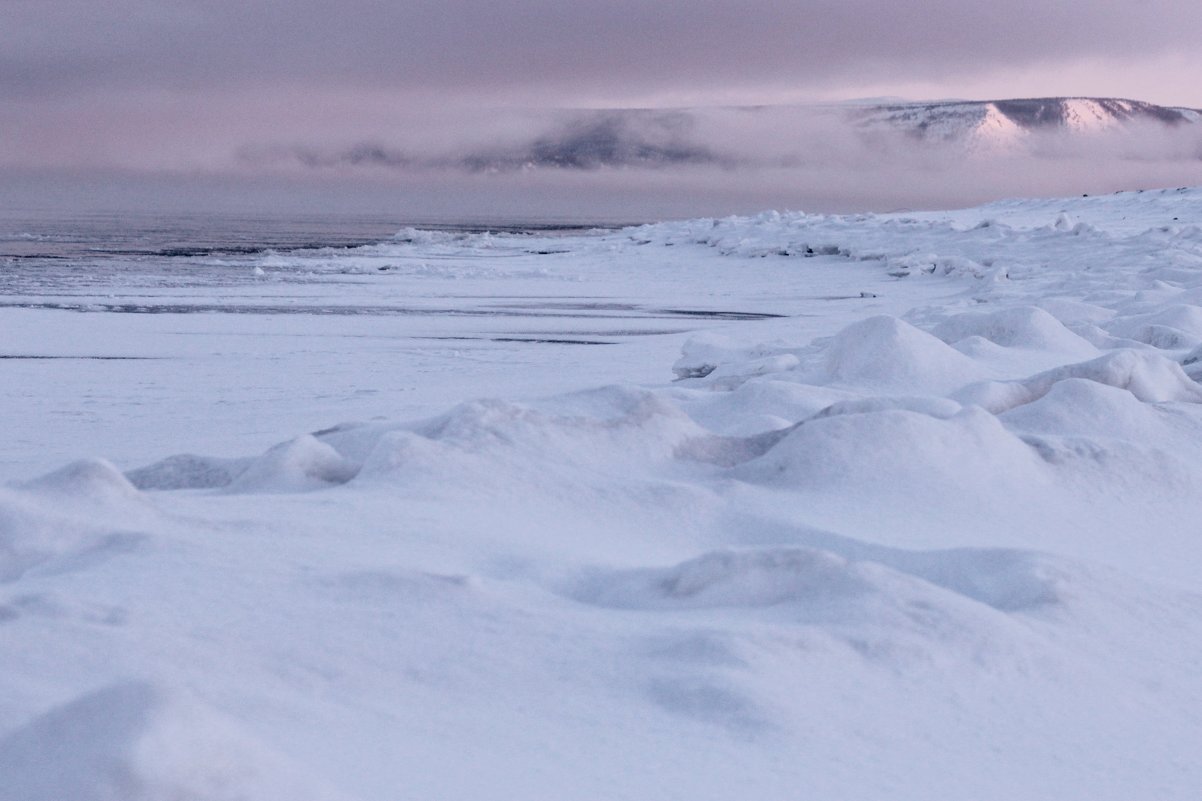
[{"x": 185, "y": 87}]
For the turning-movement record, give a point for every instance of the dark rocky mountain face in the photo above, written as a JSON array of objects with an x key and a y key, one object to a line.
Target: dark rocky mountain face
[{"x": 639, "y": 138}]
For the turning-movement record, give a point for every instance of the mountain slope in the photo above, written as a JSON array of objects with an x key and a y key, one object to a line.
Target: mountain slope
[{"x": 1006, "y": 122}]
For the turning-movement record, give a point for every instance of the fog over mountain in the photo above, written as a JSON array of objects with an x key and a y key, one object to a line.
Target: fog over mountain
[
  {"x": 681, "y": 106},
  {"x": 638, "y": 164},
  {"x": 774, "y": 136}
]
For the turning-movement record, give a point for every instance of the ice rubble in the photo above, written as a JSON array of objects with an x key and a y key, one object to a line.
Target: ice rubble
[{"x": 962, "y": 538}]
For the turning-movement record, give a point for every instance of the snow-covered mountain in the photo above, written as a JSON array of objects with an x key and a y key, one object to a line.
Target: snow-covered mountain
[
  {"x": 879, "y": 154},
  {"x": 1006, "y": 122},
  {"x": 760, "y": 136},
  {"x": 590, "y": 139}
]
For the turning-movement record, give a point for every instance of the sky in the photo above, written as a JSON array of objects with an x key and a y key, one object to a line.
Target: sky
[{"x": 153, "y": 88}]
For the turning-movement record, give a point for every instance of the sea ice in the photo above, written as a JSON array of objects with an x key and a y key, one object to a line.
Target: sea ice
[{"x": 913, "y": 514}]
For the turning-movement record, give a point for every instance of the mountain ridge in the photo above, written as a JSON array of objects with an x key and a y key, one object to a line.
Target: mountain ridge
[
  {"x": 784, "y": 135},
  {"x": 1006, "y": 120}
]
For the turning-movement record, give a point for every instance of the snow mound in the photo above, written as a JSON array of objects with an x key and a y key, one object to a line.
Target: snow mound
[
  {"x": 136, "y": 742},
  {"x": 96, "y": 480},
  {"x": 1005, "y": 580},
  {"x": 985, "y": 606},
  {"x": 1083, "y": 408},
  {"x": 1020, "y": 327},
  {"x": 1147, "y": 375},
  {"x": 887, "y": 354},
  {"x": 188, "y": 471},
  {"x": 897, "y": 450},
  {"x": 493, "y": 440},
  {"x": 299, "y": 465},
  {"x": 70, "y": 519},
  {"x": 400, "y": 455},
  {"x": 1173, "y": 328}
]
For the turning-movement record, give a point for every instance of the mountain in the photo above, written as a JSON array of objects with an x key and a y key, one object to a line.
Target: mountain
[
  {"x": 732, "y": 136},
  {"x": 784, "y": 136},
  {"x": 604, "y": 138},
  {"x": 1002, "y": 123}
]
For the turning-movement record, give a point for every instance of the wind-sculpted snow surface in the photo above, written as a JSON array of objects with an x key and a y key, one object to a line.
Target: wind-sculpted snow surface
[
  {"x": 137, "y": 742},
  {"x": 943, "y": 545},
  {"x": 76, "y": 516}
]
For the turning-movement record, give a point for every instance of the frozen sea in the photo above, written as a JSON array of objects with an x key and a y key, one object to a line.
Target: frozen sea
[
  {"x": 784, "y": 506},
  {"x": 185, "y": 333},
  {"x": 153, "y": 324}
]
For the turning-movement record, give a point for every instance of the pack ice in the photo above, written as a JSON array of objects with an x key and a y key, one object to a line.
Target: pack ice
[{"x": 943, "y": 542}]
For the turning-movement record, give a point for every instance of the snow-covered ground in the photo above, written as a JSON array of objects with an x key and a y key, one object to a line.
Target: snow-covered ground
[{"x": 881, "y": 506}]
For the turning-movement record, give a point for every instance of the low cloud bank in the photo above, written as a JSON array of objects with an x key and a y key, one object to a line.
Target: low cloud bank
[
  {"x": 628, "y": 165},
  {"x": 716, "y": 160}
]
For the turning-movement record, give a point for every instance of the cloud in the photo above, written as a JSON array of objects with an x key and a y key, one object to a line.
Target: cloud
[
  {"x": 741, "y": 138},
  {"x": 588, "y": 140},
  {"x": 557, "y": 51},
  {"x": 819, "y": 158},
  {"x": 447, "y": 92}
]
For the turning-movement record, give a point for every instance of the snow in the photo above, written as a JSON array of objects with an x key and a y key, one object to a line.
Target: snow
[
  {"x": 850, "y": 507},
  {"x": 995, "y": 132},
  {"x": 1085, "y": 114},
  {"x": 135, "y": 741},
  {"x": 886, "y": 355}
]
